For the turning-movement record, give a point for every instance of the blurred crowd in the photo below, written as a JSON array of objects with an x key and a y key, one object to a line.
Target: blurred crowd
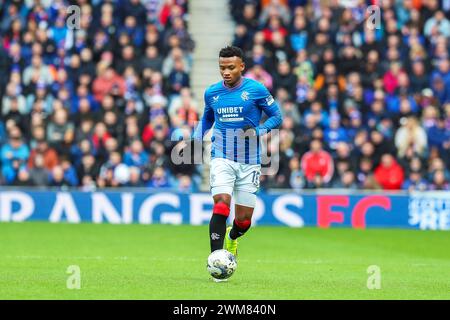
[
  {"x": 364, "y": 87},
  {"x": 91, "y": 97},
  {"x": 97, "y": 101}
]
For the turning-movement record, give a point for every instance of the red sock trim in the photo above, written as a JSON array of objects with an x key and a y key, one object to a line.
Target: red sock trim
[
  {"x": 222, "y": 209},
  {"x": 243, "y": 224}
]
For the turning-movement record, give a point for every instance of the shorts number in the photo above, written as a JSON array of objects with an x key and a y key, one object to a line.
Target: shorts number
[{"x": 255, "y": 178}]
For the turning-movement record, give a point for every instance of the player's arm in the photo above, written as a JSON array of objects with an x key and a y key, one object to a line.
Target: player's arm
[
  {"x": 267, "y": 103},
  {"x": 207, "y": 120}
]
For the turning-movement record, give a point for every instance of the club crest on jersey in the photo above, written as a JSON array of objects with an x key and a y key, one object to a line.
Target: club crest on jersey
[{"x": 244, "y": 95}]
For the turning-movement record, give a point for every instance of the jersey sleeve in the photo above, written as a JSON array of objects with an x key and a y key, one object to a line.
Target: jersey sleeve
[
  {"x": 207, "y": 119},
  {"x": 267, "y": 103}
]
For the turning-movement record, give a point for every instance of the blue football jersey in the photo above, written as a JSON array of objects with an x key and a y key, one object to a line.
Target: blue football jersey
[{"x": 232, "y": 109}]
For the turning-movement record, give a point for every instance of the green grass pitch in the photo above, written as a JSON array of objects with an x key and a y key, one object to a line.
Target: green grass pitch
[{"x": 169, "y": 262}]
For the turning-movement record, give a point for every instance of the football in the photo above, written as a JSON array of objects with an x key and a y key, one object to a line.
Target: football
[{"x": 221, "y": 264}]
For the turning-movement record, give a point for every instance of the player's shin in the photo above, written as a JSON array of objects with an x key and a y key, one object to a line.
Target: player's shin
[
  {"x": 240, "y": 227},
  {"x": 218, "y": 225}
]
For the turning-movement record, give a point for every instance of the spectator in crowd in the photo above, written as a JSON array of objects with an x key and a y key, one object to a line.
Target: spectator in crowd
[
  {"x": 106, "y": 171},
  {"x": 23, "y": 179},
  {"x": 57, "y": 178},
  {"x": 41, "y": 94},
  {"x": 317, "y": 162},
  {"x": 48, "y": 154},
  {"x": 38, "y": 71},
  {"x": 437, "y": 23},
  {"x": 70, "y": 174},
  {"x": 152, "y": 59},
  {"x": 389, "y": 174},
  {"x": 135, "y": 180},
  {"x": 13, "y": 155},
  {"x": 107, "y": 82},
  {"x": 284, "y": 78},
  {"x": 178, "y": 29},
  {"x": 185, "y": 184},
  {"x": 183, "y": 110},
  {"x": 13, "y": 96},
  {"x": 258, "y": 73},
  {"x": 437, "y": 164},
  {"x": 439, "y": 182},
  {"x": 275, "y": 8},
  {"x": 136, "y": 156},
  {"x": 318, "y": 114},
  {"x": 60, "y": 131},
  {"x": 159, "y": 179},
  {"x": 411, "y": 138},
  {"x": 335, "y": 133},
  {"x": 296, "y": 178},
  {"x": 178, "y": 78},
  {"x": 346, "y": 181},
  {"x": 365, "y": 169},
  {"x": 419, "y": 77},
  {"x": 415, "y": 182},
  {"x": 38, "y": 172},
  {"x": 87, "y": 167}
]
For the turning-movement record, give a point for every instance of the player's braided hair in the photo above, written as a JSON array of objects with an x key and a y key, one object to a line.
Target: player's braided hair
[{"x": 231, "y": 51}]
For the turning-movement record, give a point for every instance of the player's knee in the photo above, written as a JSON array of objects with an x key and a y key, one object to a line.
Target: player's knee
[
  {"x": 222, "y": 208},
  {"x": 224, "y": 198},
  {"x": 222, "y": 194}
]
